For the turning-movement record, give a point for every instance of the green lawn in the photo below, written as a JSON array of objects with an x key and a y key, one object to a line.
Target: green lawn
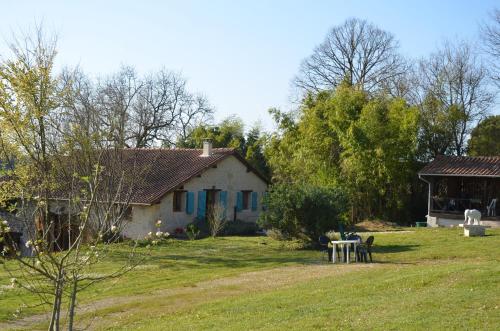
[{"x": 425, "y": 279}]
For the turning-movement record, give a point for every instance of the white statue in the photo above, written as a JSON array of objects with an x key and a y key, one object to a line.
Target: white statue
[{"x": 472, "y": 217}]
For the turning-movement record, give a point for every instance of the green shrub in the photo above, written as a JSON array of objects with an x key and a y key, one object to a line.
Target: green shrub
[
  {"x": 192, "y": 231},
  {"x": 202, "y": 226},
  {"x": 240, "y": 228},
  {"x": 276, "y": 234},
  {"x": 297, "y": 210}
]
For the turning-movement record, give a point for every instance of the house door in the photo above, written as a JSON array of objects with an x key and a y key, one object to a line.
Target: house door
[
  {"x": 64, "y": 232},
  {"x": 211, "y": 201}
]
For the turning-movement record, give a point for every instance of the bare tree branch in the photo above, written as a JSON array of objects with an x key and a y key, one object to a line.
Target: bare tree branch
[
  {"x": 356, "y": 52},
  {"x": 490, "y": 34}
]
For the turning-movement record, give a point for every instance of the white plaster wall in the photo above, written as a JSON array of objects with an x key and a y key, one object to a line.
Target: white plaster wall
[
  {"x": 230, "y": 175},
  {"x": 448, "y": 222},
  {"x": 142, "y": 221}
]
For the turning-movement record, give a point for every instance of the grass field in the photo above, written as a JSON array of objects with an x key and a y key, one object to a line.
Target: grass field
[{"x": 430, "y": 279}]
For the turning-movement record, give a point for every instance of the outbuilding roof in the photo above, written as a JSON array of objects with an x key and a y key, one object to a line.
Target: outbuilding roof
[{"x": 477, "y": 166}]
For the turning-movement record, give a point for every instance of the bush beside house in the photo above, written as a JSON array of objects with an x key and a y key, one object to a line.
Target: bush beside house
[{"x": 297, "y": 210}]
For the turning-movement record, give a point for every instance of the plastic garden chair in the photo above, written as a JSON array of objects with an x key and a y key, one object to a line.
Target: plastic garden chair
[
  {"x": 365, "y": 249},
  {"x": 492, "y": 208},
  {"x": 323, "y": 243}
]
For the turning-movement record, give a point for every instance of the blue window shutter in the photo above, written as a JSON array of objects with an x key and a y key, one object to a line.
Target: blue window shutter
[
  {"x": 202, "y": 201},
  {"x": 223, "y": 200},
  {"x": 239, "y": 201},
  {"x": 189, "y": 202},
  {"x": 254, "y": 201}
]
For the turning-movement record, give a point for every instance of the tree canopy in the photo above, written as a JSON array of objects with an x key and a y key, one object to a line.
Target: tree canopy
[
  {"x": 485, "y": 138},
  {"x": 365, "y": 145},
  {"x": 356, "y": 52},
  {"x": 230, "y": 132}
]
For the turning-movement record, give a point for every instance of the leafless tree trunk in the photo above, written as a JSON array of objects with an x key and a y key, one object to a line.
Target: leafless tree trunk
[{"x": 72, "y": 302}]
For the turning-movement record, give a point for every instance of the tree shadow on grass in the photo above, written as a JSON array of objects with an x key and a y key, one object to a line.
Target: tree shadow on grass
[
  {"x": 395, "y": 263},
  {"x": 196, "y": 261},
  {"x": 385, "y": 249}
]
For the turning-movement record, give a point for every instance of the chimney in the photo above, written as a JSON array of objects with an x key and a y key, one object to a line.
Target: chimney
[{"x": 207, "y": 147}]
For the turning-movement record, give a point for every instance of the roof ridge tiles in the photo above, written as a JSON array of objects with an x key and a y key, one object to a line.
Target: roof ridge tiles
[
  {"x": 487, "y": 166},
  {"x": 176, "y": 149}
]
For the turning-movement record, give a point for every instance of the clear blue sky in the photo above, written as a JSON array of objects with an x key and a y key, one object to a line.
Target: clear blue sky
[{"x": 240, "y": 54}]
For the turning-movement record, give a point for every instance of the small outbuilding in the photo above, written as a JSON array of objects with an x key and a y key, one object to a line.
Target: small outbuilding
[{"x": 457, "y": 183}]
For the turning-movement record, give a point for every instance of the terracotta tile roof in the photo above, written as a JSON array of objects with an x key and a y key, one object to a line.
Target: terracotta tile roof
[
  {"x": 152, "y": 173},
  {"x": 164, "y": 170},
  {"x": 488, "y": 166}
]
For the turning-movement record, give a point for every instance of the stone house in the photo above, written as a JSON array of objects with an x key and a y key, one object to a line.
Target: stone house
[
  {"x": 175, "y": 186},
  {"x": 184, "y": 184}
]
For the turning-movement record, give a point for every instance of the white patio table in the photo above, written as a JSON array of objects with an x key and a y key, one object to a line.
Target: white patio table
[{"x": 344, "y": 243}]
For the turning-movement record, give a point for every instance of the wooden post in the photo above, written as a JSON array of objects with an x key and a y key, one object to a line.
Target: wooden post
[
  {"x": 429, "y": 202},
  {"x": 430, "y": 182}
]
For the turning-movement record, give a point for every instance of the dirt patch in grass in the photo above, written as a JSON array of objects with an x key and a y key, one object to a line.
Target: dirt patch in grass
[
  {"x": 377, "y": 226},
  {"x": 106, "y": 313}
]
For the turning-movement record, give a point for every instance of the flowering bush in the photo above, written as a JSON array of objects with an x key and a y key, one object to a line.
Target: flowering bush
[
  {"x": 4, "y": 229},
  {"x": 36, "y": 245},
  {"x": 110, "y": 235},
  {"x": 154, "y": 238},
  {"x": 13, "y": 282}
]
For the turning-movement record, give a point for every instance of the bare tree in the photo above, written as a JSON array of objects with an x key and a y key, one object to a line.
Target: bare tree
[
  {"x": 490, "y": 34},
  {"x": 454, "y": 80},
  {"x": 149, "y": 111},
  {"x": 356, "y": 52},
  {"x": 216, "y": 219},
  {"x": 81, "y": 113},
  {"x": 127, "y": 111},
  {"x": 57, "y": 162},
  {"x": 196, "y": 110},
  {"x": 165, "y": 109},
  {"x": 117, "y": 97}
]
